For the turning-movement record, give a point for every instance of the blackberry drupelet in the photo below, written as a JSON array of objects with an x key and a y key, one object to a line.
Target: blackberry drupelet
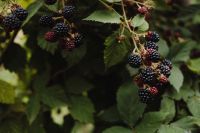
[
  {"x": 147, "y": 75},
  {"x": 11, "y": 22},
  {"x": 153, "y": 36},
  {"x": 61, "y": 29},
  {"x": 50, "y": 36},
  {"x": 134, "y": 60},
  {"x": 78, "y": 39},
  {"x": 68, "y": 11},
  {"x": 151, "y": 45},
  {"x": 50, "y": 2},
  {"x": 165, "y": 70},
  {"x": 20, "y": 13},
  {"x": 167, "y": 62},
  {"x": 153, "y": 55},
  {"x": 46, "y": 21},
  {"x": 145, "y": 96}
]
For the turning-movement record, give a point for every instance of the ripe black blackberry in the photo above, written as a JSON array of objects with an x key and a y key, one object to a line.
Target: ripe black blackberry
[
  {"x": 68, "y": 11},
  {"x": 20, "y": 13},
  {"x": 145, "y": 95},
  {"x": 46, "y": 21},
  {"x": 167, "y": 62},
  {"x": 147, "y": 75},
  {"x": 50, "y": 2},
  {"x": 165, "y": 70},
  {"x": 50, "y": 36},
  {"x": 11, "y": 22},
  {"x": 153, "y": 55},
  {"x": 78, "y": 39},
  {"x": 153, "y": 36},
  {"x": 61, "y": 29},
  {"x": 134, "y": 60},
  {"x": 151, "y": 45}
]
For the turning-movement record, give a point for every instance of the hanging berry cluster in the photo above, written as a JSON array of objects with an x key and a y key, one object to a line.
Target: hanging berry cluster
[
  {"x": 14, "y": 19},
  {"x": 154, "y": 70},
  {"x": 62, "y": 30}
]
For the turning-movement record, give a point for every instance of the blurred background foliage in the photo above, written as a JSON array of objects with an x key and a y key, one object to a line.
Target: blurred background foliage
[{"x": 46, "y": 90}]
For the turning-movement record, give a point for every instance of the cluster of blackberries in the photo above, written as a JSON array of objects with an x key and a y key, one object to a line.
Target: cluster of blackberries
[
  {"x": 15, "y": 19},
  {"x": 154, "y": 71},
  {"x": 62, "y": 30}
]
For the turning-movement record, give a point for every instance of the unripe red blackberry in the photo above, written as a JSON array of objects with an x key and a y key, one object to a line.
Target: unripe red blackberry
[
  {"x": 153, "y": 90},
  {"x": 134, "y": 60},
  {"x": 50, "y": 36},
  {"x": 151, "y": 45},
  {"x": 167, "y": 62},
  {"x": 147, "y": 75},
  {"x": 78, "y": 39},
  {"x": 152, "y": 55},
  {"x": 145, "y": 95},
  {"x": 46, "y": 21},
  {"x": 67, "y": 44},
  {"x": 152, "y": 36},
  {"x": 61, "y": 29},
  {"x": 165, "y": 70},
  {"x": 143, "y": 10},
  {"x": 20, "y": 13},
  {"x": 11, "y": 22},
  {"x": 50, "y": 2},
  {"x": 68, "y": 11}
]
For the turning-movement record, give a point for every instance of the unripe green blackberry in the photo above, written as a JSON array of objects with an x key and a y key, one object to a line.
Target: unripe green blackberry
[
  {"x": 61, "y": 29},
  {"x": 50, "y": 2},
  {"x": 153, "y": 55},
  {"x": 134, "y": 60},
  {"x": 151, "y": 45},
  {"x": 147, "y": 75},
  {"x": 153, "y": 36},
  {"x": 145, "y": 95},
  {"x": 20, "y": 13},
  {"x": 68, "y": 11},
  {"x": 11, "y": 22},
  {"x": 46, "y": 21}
]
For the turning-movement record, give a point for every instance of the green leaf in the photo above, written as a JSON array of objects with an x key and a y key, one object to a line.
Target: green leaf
[
  {"x": 81, "y": 109},
  {"x": 48, "y": 46},
  {"x": 171, "y": 129},
  {"x": 163, "y": 48},
  {"x": 187, "y": 122},
  {"x": 9, "y": 77},
  {"x": 113, "y": 1},
  {"x": 33, "y": 108},
  {"x": 53, "y": 96},
  {"x": 77, "y": 85},
  {"x": 33, "y": 9},
  {"x": 143, "y": 27},
  {"x": 138, "y": 20},
  {"x": 83, "y": 128},
  {"x": 117, "y": 129},
  {"x": 115, "y": 51},
  {"x": 75, "y": 56},
  {"x": 37, "y": 126},
  {"x": 193, "y": 65},
  {"x": 193, "y": 104},
  {"x": 129, "y": 105},
  {"x": 7, "y": 93},
  {"x": 104, "y": 16},
  {"x": 12, "y": 126},
  {"x": 176, "y": 78}
]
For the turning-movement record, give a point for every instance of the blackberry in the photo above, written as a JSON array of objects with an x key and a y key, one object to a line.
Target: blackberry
[
  {"x": 147, "y": 75},
  {"x": 78, "y": 39},
  {"x": 153, "y": 90},
  {"x": 153, "y": 55},
  {"x": 68, "y": 11},
  {"x": 143, "y": 10},
  {"x": 20, "y": 13},
  {"x": 153, "y": 36},
  {"x": 151, "y": 45},
  {"x": 11, "y": 22},
  {"x": 134, "y": 60},
  {"x": 165, "y": 70},
  {"x": 46, "y": 21},
  {"x": 50, "y": 36},
  {"x": 167, "y": 62},
  {"x": 50, "y": 2},
  {"x": 67, "y": 44},
  {"x": 145, "y": 96},
  {"x": 61, "y": 29}
]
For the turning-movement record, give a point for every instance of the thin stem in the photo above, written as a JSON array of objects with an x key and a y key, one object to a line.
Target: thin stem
[{"x": 106, "y": 5}]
